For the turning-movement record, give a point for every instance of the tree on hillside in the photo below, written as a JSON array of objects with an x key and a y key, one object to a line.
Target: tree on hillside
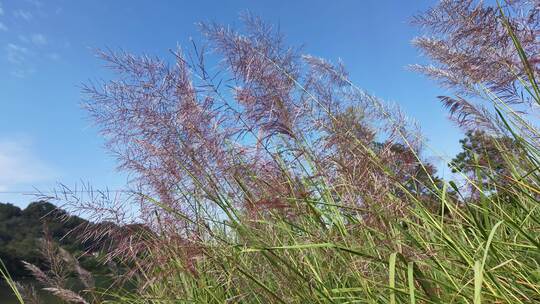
[
  {"x": 21, "y": 232},
  {"x": 482, "y": 159}
]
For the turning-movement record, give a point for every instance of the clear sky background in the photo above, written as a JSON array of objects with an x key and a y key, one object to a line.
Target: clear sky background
[{"x": 46, "y": 53}]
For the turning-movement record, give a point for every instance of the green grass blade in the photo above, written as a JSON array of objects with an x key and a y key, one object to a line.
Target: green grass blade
[
  {"x": 410, "y": 279},
  {"x": 392, "y": 278}
]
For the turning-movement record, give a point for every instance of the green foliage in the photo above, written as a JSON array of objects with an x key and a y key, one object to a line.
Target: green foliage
[
  {"x": 21, "y": 231},
  {"x": 481, "y": 151}
]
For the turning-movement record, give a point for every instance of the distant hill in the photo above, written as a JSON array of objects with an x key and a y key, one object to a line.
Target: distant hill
[{"x": 21, "y": 230}]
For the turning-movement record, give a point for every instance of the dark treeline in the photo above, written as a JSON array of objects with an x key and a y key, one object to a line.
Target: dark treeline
[{"x": 22, "y": 231}]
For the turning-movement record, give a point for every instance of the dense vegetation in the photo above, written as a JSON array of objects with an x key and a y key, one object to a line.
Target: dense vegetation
[
  {"x": 277, "y": 180},
  {"x": 45, "y": 237},
  {"x": 21, "y": 232}
]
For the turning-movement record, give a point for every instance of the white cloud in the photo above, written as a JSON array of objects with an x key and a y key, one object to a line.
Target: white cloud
[
  {"x": 3, "y": 27},
  {"x": 20, "y": 167},
  {"x": 1, "y": 9},
  {"x": 26, "y": 15},
  {"x": 39, "y": 39}
]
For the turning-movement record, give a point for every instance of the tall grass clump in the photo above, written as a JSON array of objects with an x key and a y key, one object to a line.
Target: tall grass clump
[{"x": 272, "y": 178}]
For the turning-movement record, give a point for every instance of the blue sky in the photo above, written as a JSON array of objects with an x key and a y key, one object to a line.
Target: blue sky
[{"x": 46, "y": 53}]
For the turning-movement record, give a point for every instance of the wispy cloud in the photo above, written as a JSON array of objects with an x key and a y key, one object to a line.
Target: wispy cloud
[
  {"x": 36, "y": 39},
  {"x": 23, "y": 72},
  {"x": 18, "y": 57},
  {"x": 3, "y": 27},
  {"x": 39, "y": 39},
  {"x": 20, "y": 166},
  {"x": 28, "y": 52},
  {"x": 54, "y": 56},
  {"x": 36, "y": 3},
  {"x": 26, "y": 15},
  {"x": 24, "y": 39},
  {"x": 16, "y": 54}
]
